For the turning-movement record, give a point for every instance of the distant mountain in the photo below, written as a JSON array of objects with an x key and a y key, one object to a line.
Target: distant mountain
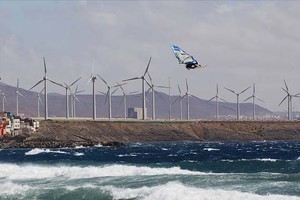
[{"x": 199, "y": 108}]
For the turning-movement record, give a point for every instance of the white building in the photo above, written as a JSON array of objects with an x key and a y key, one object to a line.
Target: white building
[{"x": 136, "y": 113}]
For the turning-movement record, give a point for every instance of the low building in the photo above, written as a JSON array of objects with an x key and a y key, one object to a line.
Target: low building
[{"x": 136, "y": 113}]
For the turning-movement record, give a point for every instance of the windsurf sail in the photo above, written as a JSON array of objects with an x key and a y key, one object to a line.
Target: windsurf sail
[{"x": 182, "y": 56}]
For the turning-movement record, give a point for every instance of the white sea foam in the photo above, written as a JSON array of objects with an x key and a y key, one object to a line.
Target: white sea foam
[
  {"x": 36, "y": 151},
  {"x": 78, "y": 154},
  {"x": 298, "y": 158},
  {"x": 164, "y": 149},
  {"x": 262, "y": 159},
  {"x": 211, "y": 149},
  {"x": 178, "y": 191},
  {"x": 9, "y": 188},
  {"x": 24, "y": 172},
  {"x": 98, "y": 145},
  {"x": 80, "y": 147}
]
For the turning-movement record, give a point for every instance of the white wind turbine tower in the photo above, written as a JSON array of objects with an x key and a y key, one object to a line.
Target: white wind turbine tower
[
  {"x": 38, "y": 103},
  {"x": 151, "y": 87},
  {"x": 254, "y": 97},
  {"x": 180, "y": 100},
  {"x": 289, "y": 96},
  {"x": 68, "y": 87},
  {"x": 237, "y": 100},
  {"x": 93, "y": 79},
  {"x": 3, "y": 101},
  {"x": 45, "y": 79},
  {"x": 17, "y": 97},
  {"x": 217, "y": 102},
  {"x": 143, "y": 88},
  {"x": 124, "y": 98}
]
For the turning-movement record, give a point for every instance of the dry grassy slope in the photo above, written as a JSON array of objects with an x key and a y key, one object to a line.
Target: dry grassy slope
[{"x": 145, "y": 132}]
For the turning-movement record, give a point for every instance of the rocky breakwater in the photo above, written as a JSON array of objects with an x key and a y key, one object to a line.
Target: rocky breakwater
[{"x": 63, "y": 133}]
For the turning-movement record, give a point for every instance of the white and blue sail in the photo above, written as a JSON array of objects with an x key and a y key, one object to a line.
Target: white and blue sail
[{"x": 185, "y": 58}]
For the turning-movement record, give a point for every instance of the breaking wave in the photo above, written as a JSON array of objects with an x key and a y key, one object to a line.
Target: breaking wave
[
  {"x": 36, "y": 151},
  {"x": 178, "y": 191},
  {"x": 23, "y": 172}
]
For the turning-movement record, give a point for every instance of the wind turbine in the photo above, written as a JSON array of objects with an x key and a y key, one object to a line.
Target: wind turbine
[
  {"x": 45, "y": 79},
  {"x": 289, "y": 97},
  {"x": 124, "y": 98},
  {"x": 17, "y": 97},
  {"x": 180, "y": 100},
  {"x": 38, "y": 103},
  {"x": 3, "y": 101},
  {"x": 187, "y": 95},
  {"x": 254, "y": 97},
  {"x": 217, "y": 102},
  {"x": 93, "y": 79},
  {"x": 237, "y": 100},
  {"x": 152, "y": 86},
  {"x": 108, "y": 95},
  {"x": 68, "y": 87},
  {"x": 143, "y": 88},
  {"x": 74, "y": 99}
]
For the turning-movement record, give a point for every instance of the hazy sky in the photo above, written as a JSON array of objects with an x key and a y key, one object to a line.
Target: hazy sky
[{"x": 242, "y": 42}]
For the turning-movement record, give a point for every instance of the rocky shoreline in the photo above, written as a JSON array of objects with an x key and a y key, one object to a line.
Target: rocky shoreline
[{"x": 63, "y": 133}]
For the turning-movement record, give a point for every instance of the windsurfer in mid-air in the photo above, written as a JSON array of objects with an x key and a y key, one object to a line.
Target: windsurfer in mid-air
[{"x": 185, "y": 58}]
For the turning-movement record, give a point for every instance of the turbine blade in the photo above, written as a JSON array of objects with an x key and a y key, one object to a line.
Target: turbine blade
[
  {"x": 106, "y": 97},
  {"x": 253, "y": 88},
  {"x": 18, "y": 83},
  {"x": 195, "y": 96},
  {"x": 45, "y": 68},
  {"x": 148, "y": 66},
  {"x": 187, "y": 85},
  {"x": 217, "y": 90},
  {"x": 21, "y": 95},
  {"x": 135, "y": 78},
  {"x": 56, "y": 83},
  {"x": 260, "y": 99},
  {"x": 151, "y": 86},
  {"x": 248, "y": 98},
  {"x": 177, "y": 99},
  {"x": 103, "y": 80},
  {"x": 230, "y": 90},
  {"x": 135, "y": 92},
  {"x": 102, "y": 93},
  {"x": 161, "y": 86},
  {"x": 223, "y": 99},
  {"x": 211, "y": 99},
  {"x": 75, "y": 82},
  {"x": 90, "y": 79},
  {"x": 286, "y": 85},
  {"x": 120, "y": 85},
  {"x": 42, "y": 91},
  {"x": 114, "y": 91},
  {"x": 245, "y": 90},
  {"x": 149, "y": 90},
  {"x": 149, "y": 77},
  {"x": 179, "y": 90},
  {"x": 283, "y": 100},
  {"x": 36, "y": 84},
  {"x": 80, "y": 91},
  {"x": 285, "y": 90}
]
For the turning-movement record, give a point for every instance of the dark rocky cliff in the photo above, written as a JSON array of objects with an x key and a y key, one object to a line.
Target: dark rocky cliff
[{"x": 113, "y": 133}]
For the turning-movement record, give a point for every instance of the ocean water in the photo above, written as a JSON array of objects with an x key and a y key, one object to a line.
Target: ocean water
[{"x": 154, "y": 171}]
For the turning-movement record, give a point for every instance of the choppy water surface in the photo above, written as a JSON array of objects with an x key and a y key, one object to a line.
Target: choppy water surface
[{"x": 185, "y": 170}]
